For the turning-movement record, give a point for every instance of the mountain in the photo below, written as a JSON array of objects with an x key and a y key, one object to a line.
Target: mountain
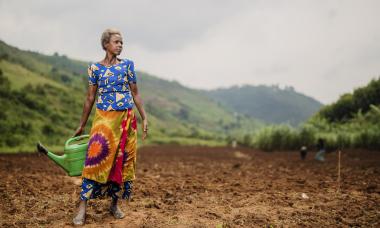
[
  {"x": 42, "y": 98},
  {"x": 270, "y": 104}
]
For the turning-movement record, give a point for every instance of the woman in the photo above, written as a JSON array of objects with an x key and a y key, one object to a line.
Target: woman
[{"x": 111, "y": 155}]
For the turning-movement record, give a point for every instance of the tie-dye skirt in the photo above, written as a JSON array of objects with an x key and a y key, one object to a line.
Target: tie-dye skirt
[{"x": 111, "y": 155}]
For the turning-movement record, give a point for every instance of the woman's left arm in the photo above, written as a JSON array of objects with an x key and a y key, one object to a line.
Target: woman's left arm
[{"x": 138, "y": 102}]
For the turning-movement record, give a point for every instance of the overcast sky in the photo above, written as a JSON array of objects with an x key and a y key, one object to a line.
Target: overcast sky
[{"x": 321, "y": 48}]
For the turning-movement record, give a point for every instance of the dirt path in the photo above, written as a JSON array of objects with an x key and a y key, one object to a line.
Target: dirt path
[{"x": 203, "y": 187}]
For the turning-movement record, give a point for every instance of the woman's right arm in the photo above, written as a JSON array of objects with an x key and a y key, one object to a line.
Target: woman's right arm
[{"x": 87, "y": 106}]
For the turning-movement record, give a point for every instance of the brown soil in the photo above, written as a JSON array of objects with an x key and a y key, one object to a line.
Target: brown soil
[{"x": 203, "y": 187}]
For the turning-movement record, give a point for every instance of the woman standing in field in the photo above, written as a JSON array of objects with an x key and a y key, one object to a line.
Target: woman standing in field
[{"x": 110, "y": 163}]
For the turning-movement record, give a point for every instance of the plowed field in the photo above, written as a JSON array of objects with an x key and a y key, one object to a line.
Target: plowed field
[{"x": 203, "y": 187}]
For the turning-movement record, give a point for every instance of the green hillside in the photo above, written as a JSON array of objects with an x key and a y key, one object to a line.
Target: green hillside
[
  {"x": 42, "y": 98},
  {"x": 267, "y": 103},
  {"x": 353, "y": 121},
  {"x": 349, "y": 104}
]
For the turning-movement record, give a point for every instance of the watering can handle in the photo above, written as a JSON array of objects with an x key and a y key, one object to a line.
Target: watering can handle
[{"x": 75, "y": 139}]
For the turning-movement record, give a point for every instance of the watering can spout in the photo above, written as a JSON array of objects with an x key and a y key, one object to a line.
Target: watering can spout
[
  {"x": 41, "y": 148},
  {"x": 59, "y": 160}
]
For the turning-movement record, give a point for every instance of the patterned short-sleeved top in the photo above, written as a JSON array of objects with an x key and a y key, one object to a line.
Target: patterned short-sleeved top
[{"x": 112, "y": 81}]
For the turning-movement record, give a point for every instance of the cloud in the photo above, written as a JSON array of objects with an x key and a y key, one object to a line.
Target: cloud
[
  {"x": 158, "y": 26},
  {"x": 305, "y": 45},
  {"x": 322, "y": 48}
]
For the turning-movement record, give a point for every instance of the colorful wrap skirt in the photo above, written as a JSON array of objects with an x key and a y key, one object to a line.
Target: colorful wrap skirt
[{"x": 111, "y": 155}]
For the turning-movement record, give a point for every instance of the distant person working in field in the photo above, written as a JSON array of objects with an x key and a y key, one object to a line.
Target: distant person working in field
[
  {"x": 110, "y": 163},
  {"x": 320, "y": 156},
  {"x": 303, "y": 152}
]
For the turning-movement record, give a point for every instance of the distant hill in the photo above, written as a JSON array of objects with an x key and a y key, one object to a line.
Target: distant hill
[
  {"x": 267, "y": 103},
  {"x": 42, "y": 98}
]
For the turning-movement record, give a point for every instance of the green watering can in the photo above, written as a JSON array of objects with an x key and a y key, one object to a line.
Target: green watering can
[{"x": 72, "y": 161}]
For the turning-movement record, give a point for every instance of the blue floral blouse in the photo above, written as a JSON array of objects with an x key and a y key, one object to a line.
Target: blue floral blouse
[{"x": 112, "y": 81}]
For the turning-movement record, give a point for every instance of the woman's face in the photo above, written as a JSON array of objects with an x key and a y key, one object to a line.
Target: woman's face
[{"x": 115, "y": 46}]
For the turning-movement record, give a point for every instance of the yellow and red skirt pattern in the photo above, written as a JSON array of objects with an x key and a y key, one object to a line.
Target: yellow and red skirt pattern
[{"x": 112, "y": 148}]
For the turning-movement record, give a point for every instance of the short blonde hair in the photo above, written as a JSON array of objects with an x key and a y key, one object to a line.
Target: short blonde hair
[{"x": 106, "y": 36}]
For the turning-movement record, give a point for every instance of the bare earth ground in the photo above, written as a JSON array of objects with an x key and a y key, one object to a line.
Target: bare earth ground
[{"x": 203, "y": 187}]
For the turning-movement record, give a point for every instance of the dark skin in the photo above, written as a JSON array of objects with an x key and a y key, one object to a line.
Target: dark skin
[{"x": 113, "y": 48}]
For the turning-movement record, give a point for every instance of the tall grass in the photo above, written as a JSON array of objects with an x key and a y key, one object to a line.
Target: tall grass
[{"x": 276, "y": 137}]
